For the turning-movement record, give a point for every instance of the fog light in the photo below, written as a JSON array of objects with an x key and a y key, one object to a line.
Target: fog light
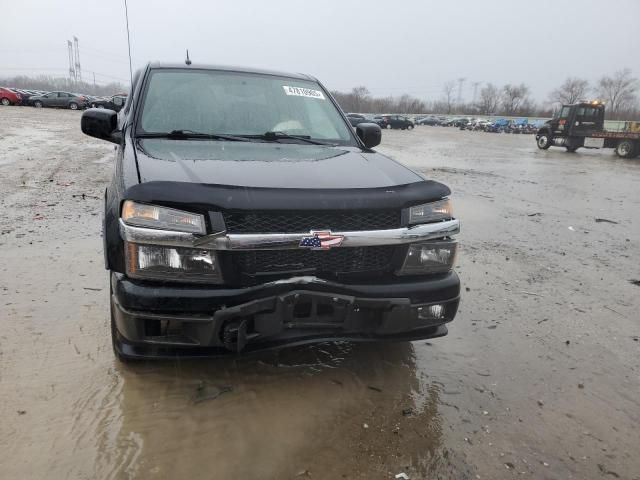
[
  {"x": 430, "y": 257},
  {"x": 432, "y": 312},
  {"x": 172, "y": 263}
]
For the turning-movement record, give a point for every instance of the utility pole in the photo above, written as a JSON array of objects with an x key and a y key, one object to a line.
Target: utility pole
[
  {"x": 72, "y": 70},
  {"x": 460, "y": 82},
  {"x": 475, "y": 91},
  {"x": 77, "y": 59}
]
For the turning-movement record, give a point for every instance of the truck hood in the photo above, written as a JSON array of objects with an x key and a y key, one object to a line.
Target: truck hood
[{"x": 267, "y": 165}]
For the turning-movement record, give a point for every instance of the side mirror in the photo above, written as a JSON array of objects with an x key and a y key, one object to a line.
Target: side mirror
[
  {"x": 369, "y": 133},
  {"x": 101, "y": 123}
]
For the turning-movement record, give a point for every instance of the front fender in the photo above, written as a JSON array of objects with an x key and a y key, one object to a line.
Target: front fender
[{"x": 112, "y": 242}]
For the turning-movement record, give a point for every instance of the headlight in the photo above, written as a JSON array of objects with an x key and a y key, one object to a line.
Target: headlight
[
  {"x": 164, "y": 218},
  {"x": 430, "y": 257},
  {"x": 431, "y": 212},
  {"x": 172, "y": 263}
]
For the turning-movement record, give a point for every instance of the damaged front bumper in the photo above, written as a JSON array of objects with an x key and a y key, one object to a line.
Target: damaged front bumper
[{"x": 161, "y": 320}]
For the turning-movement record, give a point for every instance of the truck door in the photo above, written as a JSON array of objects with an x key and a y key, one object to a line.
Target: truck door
[
  {"x": 587, "y": 119},
  {"x": 563, "y": 119}
]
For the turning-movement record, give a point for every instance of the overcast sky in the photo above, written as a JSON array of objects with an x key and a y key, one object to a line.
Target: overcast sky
[{"x": 392, "y": 47}]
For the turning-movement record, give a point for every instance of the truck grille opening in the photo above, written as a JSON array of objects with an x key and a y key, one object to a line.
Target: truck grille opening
[
  {"x": 331, "y": 262},
  {"x": 305, "y": 221}
]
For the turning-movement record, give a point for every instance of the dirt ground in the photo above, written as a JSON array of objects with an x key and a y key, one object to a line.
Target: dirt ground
[{"x": 538, "y": 378}]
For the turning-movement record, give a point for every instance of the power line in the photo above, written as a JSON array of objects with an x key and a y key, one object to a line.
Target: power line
[
  {"x": 460, "y": 82},
  {"x": 475, "y": 90},
  {"x": 77, "y": 58},
  {"x": 72, "y": 69}
]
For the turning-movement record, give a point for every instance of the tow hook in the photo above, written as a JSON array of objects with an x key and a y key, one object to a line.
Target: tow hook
[{"x": 234, "y": 335}]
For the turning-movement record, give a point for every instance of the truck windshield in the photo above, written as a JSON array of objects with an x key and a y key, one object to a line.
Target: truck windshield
[{"x": 239, "y": 103}]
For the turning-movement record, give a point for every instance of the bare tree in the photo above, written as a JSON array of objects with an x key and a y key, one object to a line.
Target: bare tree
[
  {"x": 489, "y": 99},
  {"x": 572, "y": 90},
  {"x": 618, "y": 91},
  {"x": 449, "y": 97},
  {"x": 359, "y": 100},
  {"x": 360, "y": 97},
  {"x": 513, "y": 96},
  {"x": 409, "y": 104}
]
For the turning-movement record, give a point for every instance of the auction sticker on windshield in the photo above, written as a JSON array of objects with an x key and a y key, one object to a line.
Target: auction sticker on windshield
[{"x": 303, "y": 92}]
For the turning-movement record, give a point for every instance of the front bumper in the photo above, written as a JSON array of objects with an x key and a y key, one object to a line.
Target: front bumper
[{"x": 162, "y": 320}]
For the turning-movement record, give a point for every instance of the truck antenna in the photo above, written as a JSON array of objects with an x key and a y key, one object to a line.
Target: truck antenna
[{"x": 188, "y": 60}]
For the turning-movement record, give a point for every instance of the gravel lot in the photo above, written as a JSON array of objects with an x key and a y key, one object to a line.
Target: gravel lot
[{"x": 539, "y": 376}]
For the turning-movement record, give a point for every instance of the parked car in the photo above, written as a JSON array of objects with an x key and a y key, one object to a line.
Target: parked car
[
  {"x": 356, "y": 118},
  {"x": 381, "y": 121},
  {"x": 428, "y": 121},
  {"x": 9, "y": 97},
  {"x": 479, "y": 124},
  {"x": 518, "y": 126},
  {"x": 116, "y": 102},
  {"x": 25, "y": 94},
  {"x": 231, "y": 252},
  {"x": 499, "y": 126},
  {"x": 398, "y": 122},
  {"x": 72, "y": 101}
]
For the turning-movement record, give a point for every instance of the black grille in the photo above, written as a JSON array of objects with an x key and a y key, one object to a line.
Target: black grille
[
  {"x": 305, "y": 221},
  {"x": 335, "y": 262}
]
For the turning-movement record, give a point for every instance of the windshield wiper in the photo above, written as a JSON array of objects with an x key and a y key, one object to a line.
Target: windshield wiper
[
  {"x": 275, "y": 136},
  {"x": 187, "y": 134}
]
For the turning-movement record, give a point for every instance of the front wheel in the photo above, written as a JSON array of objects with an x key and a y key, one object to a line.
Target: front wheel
[
  {"x": 5, "y": 102},
  {"x": 73, "y": 106},
  {"x": 543, "y": 141},
  {"x": 625, "y": 149},
  {"x": 389, "y": 126},
  {"x": 37, "y": 104}
]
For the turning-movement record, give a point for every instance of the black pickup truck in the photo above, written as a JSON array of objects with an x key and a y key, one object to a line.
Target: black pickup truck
[{"x": 246, "y": 213}]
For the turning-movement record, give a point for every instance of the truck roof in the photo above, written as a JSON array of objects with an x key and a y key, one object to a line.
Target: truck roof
[{"x": 230, "y": 68}]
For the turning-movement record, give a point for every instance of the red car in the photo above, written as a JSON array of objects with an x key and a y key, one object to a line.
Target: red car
[{"x": 9, "y": 97}]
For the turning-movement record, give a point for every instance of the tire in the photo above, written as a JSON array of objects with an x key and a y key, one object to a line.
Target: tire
[
  {"x": 572, "y": 149},
  {"x": 73, "y": 106},
  {"x": 410, "y": 127},
  {"x": 38, "y": 104},
  {"x": 389, "y": 126},
  {"x": 626, "y": 149},
  {"x": 5, "y": 101},
  {"x": 543, "y": 141}
]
